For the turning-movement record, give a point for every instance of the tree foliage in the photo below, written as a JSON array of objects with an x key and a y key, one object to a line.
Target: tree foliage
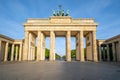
[
  {"x": 47, "y": 52},
  {"x": 73, "y": 53},
  {"x": 57, "y": 56}
]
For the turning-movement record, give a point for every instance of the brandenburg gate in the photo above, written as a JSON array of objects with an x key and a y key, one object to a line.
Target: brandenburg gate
[{"x": 57, "y": 26}]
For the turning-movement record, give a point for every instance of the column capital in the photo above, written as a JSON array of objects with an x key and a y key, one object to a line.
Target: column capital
[
  {"x": 26, "y": 31},
  {"x": 94, "y": 30},
  {"x": 81, "y": 30},
  {"x": 113, "y": 44},
  {"x": 69, "y": 32},
  {"x": 107, "y": 45},
  {"x": 52, "y": 31},
  {"x": 39, "y": 30},
  {"x": 99, "y": 45}
]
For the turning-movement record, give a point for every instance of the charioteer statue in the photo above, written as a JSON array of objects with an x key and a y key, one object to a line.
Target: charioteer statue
[{"x": 60, "y": 12}]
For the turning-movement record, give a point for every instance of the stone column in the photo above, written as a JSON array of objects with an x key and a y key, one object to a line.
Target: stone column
[
  {"x": 0, "y": 50},
  {"x": 25, "y": 52},
  {"x": 94, "y": 47},
  {"x": 29, "y": 47},
  {"x": 31, "y": 52},
  {"x": 104, "y": 53},
  {"x": 20, "y": 52},
  {"x": 119, "y": 50},
  {"x": 113, "y": 50},
  {"x": 89, "y": 46},
  {"x": 52, "y": 46},
  {"x": 43, "y": 47},
  {"x": 12, "y": 53},
  {"x": 77, "y": 47},
  {"x": 81, "y": 45},
  {"x": 108, "y": 54},
  {"x": 6, "y": 51},
  {"x": 100, "y": 56},
  {"x": 38, "y": 46},
  {"x": 33, "y": 49},
  {"x": 33, "y": 58},
  {"x": 68, "y": 46},
  {"x": 16, "y": 53}
]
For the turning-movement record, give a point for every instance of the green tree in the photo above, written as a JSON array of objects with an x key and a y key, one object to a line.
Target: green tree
[
  {"x": 57, "y": 56},
  {"x": 73, "y": 53},
  {"x": 64, "y": 57},
  {"x": 47, "y": 52},
  {"x": 85, "y": 53}
]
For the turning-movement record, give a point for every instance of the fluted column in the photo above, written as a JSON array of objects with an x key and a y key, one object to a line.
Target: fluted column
[
  {"x": 43, "y": 47},
  {"x": 81, "y": 43},
  {"x": 25, "y": 52},
  {"x": 33, "y": 58},
  {"x": 16, "y": 53},
  {"x": 77, "y": 47},
  {"x": 100, "y": 56},
  {"x": 31, "y": 52},
  {"x": 39, "y": 46},
  {"x": 52, "y": 46},
  {"x": 113, "y": 50},
  {"x": 119, "y": 50},
  {"x": 12, "y": 53},
  {"x": 95, "y": 57},
  {"x": 20, "y": 52},
  {"x": 34, "y": 48},
  {"x": 6, "y": 51},
  {"x": 29, "y": 47},
  {"x": 104, "y": 53},
  {"x": 41, "y": 50},
  {"x": 108, "y": 54},
  {"x": 68, "y": 46},
  {"x": 0, "y": 50}
]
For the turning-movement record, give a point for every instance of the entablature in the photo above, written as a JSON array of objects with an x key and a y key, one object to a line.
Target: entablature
[{"x": 60, "y": 20}]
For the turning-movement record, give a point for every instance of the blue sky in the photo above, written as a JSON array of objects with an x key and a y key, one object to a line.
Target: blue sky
[{"x": 13, "y": 13}]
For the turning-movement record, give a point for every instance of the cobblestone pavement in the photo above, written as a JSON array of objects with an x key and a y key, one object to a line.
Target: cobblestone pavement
[{"x": 59, "y": 70}]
